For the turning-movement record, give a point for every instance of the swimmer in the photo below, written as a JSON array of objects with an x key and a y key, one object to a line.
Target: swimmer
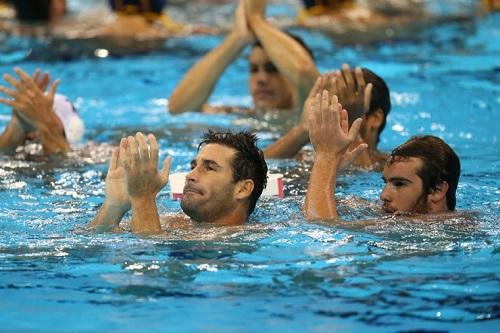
[
  {"x": 40, "y": 11},
  {"x": 282, "y": 71},
  {"x": 421, "y": 175},
  {"x": 365, "y": 95},
  {"x": 226, "y": 179},
  {"x": 133, "y": 26},
  {"x": 357, "y": 21},
  {"x": 47, "y": 117}
]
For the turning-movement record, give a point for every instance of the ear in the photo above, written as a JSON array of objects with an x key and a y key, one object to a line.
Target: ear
[
  {"x": 437, "y": 198},
  {"x": 375, "y": 119},
  {"x": 244, "y": 189}
]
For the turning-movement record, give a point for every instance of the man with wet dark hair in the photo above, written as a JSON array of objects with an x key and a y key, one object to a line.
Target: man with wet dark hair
[
  {"x": 421, "y": 176},
  {"x": 226, "y": 179},
  {"x": 282, "y": 71},
  {"x": 364, "y": 95},
  {"x": 438, "y": 168},
  {"x": 39, "y": 11}
]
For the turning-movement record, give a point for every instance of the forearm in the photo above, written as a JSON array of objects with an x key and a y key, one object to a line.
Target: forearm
[
  {"x": 288, "y": 145},
  {"x": 108, "y": 217},
  {"x": 12, "y": 137},
  {"x": 196, "y": 86},
  {"x": 320, "y": 199},
  {"x": 288, "y": 55},
  {"x": 145, "y": 219}
]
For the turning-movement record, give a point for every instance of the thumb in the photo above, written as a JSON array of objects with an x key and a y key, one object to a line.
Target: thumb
[
  {"x": 165, "y": 170},
  {"x": 368, "y": 97}
]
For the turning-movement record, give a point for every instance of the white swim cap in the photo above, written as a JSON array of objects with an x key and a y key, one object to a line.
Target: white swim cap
[{"x": 71, "y": 121}]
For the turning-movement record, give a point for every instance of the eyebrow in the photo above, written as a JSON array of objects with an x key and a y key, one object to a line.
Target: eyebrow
[
  {"x": 210, "y": 163},
  {"x": 395, "y": 179}
]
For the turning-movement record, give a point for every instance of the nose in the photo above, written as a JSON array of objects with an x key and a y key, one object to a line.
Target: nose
[
  {"x": 262, "y": 76},
  {"x": 192, "y": 175},
  {"x": 385, "y": 194}
]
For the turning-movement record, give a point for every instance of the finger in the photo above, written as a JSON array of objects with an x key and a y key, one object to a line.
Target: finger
[
  {"x": 25, "y": 78},
  {"x": 353, "y": 131},
  {"x": 347, "y": 74},
  {"x": 357, "y": 151},
  {"x": 368, "y": 97},
  {"x": 317, "y": 84},
  {"x": 153, "y": 150},
  {"x": 8, "y": 102},
  {"x": 331, "y": 83},
  {"x": 36, "y": 75},
  {"x": 336, "y": 108},
  {"x": 13, "y": 82},
  {"x": 133, "y": 157},
  {"x": 53, "y": 88},
  {"x": 325, "y": 99},
  {"x": 7, "y": 91},
  {"x": 143, "y": 147},
  {"x": 165, "y": 170},
  {"x": 44, "y": 81},
  {"x": 113, "y": 163},
  {"x": 339, "y": 85},
  {"x": 360, "y": 80},
  {"x": 123, "y": 152},
  {"x": 315, "y": 112},
  {"x": 344, "y": 121}
]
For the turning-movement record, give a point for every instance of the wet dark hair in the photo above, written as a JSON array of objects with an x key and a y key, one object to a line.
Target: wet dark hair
[
  {"x": 32, "y": 11},
  {"x": 298, "y": 39},
  {"x": 138, "y": 6},
  {"x": 311, "y": 3},
  {"x": 381, "y": 98},
  {"x": 248, "y": 162},
  {"x": 439, "y": 163}
]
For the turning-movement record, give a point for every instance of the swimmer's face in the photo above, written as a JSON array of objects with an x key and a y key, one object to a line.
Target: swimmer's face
[
  {"x": 403, "y": 191},
  {"x": 269, "y": 89},
  {"x": 209, "y": 192}
]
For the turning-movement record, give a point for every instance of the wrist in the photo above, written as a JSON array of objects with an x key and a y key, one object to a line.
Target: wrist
[
  {"x": 327, "y": 158},
  {"x": 142, "y": 200},
  {"x": 115, "y": 207},
  {"x": 236, "y": 40}
]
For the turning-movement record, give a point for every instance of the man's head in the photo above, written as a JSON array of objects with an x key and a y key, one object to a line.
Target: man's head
[
  {"x": 380, "y": 105},
  {"x": 228, "y": 175},
  {"x": 421, "y": 176},
  {"x": 39, "y": 10},
  {"x": 268, "y": 87}
]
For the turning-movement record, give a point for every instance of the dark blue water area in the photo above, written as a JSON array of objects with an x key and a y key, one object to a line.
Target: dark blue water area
[{"x": 277, "y": 272}]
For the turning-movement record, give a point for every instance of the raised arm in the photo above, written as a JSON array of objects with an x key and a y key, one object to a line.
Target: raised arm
[
  {"x": 144, "y": 182},
  {"x": 16, "y": 131},
  {"x": 330, "y": 137},
  {"x": 298, "y": 136},
  {"x": 291, "y": 59},
  {"x": 35, "y": 109},
  {"x": 116, "y": 203},
  {"x": 197, "y": 85}
]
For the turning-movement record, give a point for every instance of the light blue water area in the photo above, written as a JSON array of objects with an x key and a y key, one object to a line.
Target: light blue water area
[{"x": 278, "y": 272}]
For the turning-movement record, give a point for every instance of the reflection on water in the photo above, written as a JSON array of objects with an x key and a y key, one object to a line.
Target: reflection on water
[{"x": 388, "y": 275}]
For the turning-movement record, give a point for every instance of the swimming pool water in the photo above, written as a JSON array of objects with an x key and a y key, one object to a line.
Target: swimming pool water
[{"x": 278, "y": 272}]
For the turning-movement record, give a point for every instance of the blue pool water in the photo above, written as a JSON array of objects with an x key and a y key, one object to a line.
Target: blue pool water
[{"x": 277, "y": 272}]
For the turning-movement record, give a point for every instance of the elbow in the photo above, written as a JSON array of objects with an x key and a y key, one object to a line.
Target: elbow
[{"x": 173, "y": 106}]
